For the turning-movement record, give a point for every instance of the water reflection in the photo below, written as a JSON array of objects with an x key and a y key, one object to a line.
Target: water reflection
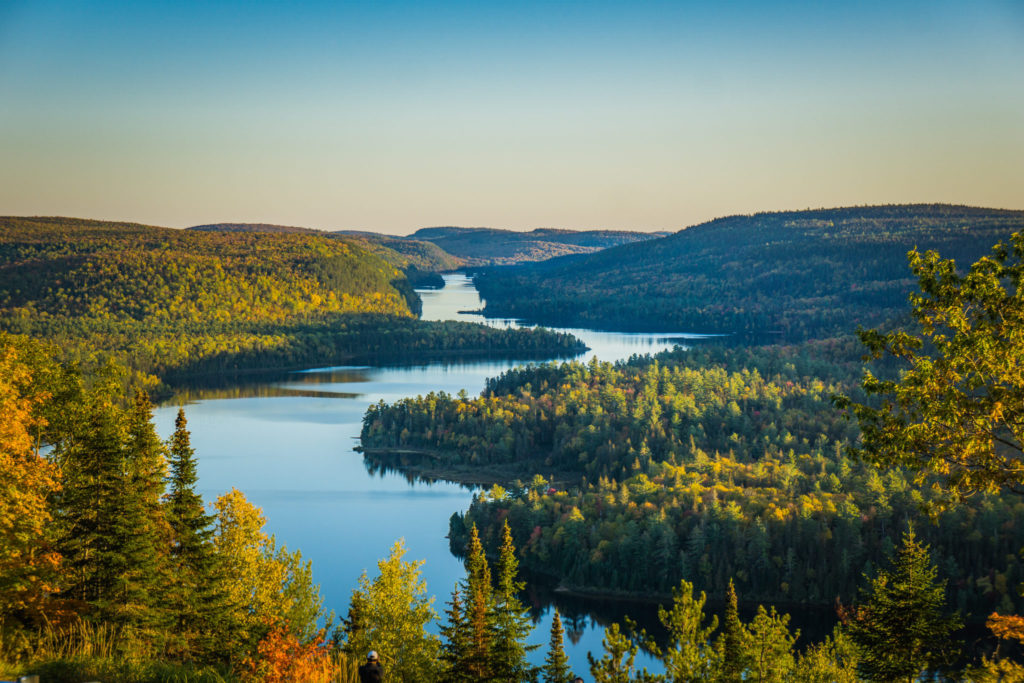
[{"x": 287, "y": 442}]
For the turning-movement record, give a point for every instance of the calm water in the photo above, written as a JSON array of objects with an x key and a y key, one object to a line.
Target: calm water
[{"x": 288, "y": 447}]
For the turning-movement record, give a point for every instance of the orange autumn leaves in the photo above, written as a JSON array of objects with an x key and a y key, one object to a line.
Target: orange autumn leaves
[{"x": 28, "y": 565}]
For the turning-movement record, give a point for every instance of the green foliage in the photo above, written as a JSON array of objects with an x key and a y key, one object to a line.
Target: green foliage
[
  {"x": 770, "y": 647},
  {"x": 512, "y": 623},
  {"x": 732, "y": 647},
  {"x": 487, "y": 625},
  {"x": 556, "y": 664},
  {"x": 111, "y": 527},
  {"x": 616, "y": 664},
  {"x": 957, "y": 408},
  {"x": 900, "y": 628},
  {"x": 786, "y": 276},
  {"x": 697, "y": 465},
  {"x": 690, "y": 656},
  {"x": 198, "y": 593},
  {"x": 389, "y": 615},
  {"x": 833, "y": 660},
  {"x": 171, "y": 303}
]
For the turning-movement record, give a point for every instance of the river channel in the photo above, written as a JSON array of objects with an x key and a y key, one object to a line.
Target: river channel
[{"x": 288, "y": 446}]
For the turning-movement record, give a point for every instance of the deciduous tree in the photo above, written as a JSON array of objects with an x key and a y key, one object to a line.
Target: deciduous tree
[{"x": 390, "y": 615}]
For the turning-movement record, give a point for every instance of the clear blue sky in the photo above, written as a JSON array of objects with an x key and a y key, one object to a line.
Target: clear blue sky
[{"x": 390, "y": 116}]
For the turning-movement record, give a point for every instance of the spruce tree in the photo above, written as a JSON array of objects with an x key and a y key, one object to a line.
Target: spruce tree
[
  {"x": 455, "y": 642},
  {"x": 198, "y": 597},
  {"x": 900, "y": 629},
  {"x": 91, "y": 466},
  {"x": 146, "y": 534},
  {"x": 479, "y": 613},
  {"x": 556, "y": 664},
  {"x": 512, "y": 623},
  {"x": 731, "y": 644},
  {"x": 112, "y": 531},
  {"x": 689, "y": 655}
]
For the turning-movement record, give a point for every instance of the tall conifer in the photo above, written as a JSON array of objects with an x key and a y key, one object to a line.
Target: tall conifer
[
  {"x": 556, "y": 664},
  {"x": 732, "y": 643},
  {"x": 455, "y": 642},
  {"x": 512, "y": 623},
  {"x": 198, "y": 596},
  {"x": 904, "y": 606},
  {"x": 479, "y": 600}
]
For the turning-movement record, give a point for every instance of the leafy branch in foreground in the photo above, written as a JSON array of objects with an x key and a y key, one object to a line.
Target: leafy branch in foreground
[{"x": 957, "y": 408}]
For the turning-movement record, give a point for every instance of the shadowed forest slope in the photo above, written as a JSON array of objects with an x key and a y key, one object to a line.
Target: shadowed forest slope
[{"x": 782, "y": 276}]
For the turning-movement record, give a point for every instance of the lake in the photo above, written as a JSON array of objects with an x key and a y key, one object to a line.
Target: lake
[{"x": 288, "y": 446}]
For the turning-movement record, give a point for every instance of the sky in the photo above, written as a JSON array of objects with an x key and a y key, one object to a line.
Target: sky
[{"x": 394, "y": 115}]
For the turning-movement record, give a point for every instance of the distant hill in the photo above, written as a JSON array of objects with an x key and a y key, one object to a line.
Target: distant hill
[
  {"x": 492, "y": 246},
  {"x": 167, "y": 302},
  {"x": 791, "y": 275},
  {"x": 253, "y": 227},
  {"x": 418, "y": 259}
]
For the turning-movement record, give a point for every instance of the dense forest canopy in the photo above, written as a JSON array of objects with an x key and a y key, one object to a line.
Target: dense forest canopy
[
  {"x": 166, "y": 302},
  {"x": 783, "y": 276},
  {"x": 705, "y": 465},
  {"x": 410, "y": 255}
]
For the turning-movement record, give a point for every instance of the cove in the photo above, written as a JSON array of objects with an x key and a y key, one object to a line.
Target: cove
[{"x": 288, "y": 446}]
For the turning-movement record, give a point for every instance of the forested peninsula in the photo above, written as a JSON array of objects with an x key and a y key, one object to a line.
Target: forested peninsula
[{"x": 173, "y": 304}]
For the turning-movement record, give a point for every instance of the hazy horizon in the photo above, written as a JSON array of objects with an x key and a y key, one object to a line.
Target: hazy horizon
[{"x": 392, "y": 116}]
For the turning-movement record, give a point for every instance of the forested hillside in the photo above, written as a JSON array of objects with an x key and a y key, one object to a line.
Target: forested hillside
[
  {"x": 771, "y": 276},
  {"x": 492, "y": 246},
  {"x": 420, "y": 261},
  {"x": 166, "y": 301}
]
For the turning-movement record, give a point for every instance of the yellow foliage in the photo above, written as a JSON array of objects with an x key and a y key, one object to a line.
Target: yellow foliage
[{"x": 27, "y": 564}]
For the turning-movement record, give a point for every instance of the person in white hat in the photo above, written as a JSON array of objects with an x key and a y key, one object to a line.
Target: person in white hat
[{"x": 370, "y": 672}]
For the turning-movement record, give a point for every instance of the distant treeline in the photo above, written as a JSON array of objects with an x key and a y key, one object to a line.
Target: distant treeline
[{"x": 784, "y": 276}]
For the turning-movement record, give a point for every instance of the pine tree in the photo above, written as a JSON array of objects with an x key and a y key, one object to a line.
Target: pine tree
[
  {"x": 87, "y": 511},
  {"x": 143, "y": 525},
  {"x": 732, "y": 642},
  {"x": 455, "y": 642},
  {"x": 689, "y": 656},
  {"x": 617, "y": 663},
  {"x": 770, "y": 647},
  {"x": 479, "y": 613},
  {"x": 512, "y": 623},
  {"x": 556, "y": 664},
  {"x": 903, "y": 606},
  {"x": 198, "y": 597}
]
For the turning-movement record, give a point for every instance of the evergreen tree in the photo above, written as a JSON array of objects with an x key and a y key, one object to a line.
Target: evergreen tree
[
  {"x": 900, "y": 628},
  {"x": 512, "y": 623},
  {"x": 770, "y": 647},
  {"x": 690, "y": 656},
  {"x": 89, "y": 511},
  {"x": 556, "y": 664},
  {"x": 197, "y": 595},
  {"x": 455, "y": 642},
  {"x": 479, "y": 612},
  {"x": 732, "y": 641},
  {"x": 617, "y": 663},
  {"x": 833, "y": 660},
  {"x": 141, "y": 524}
]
